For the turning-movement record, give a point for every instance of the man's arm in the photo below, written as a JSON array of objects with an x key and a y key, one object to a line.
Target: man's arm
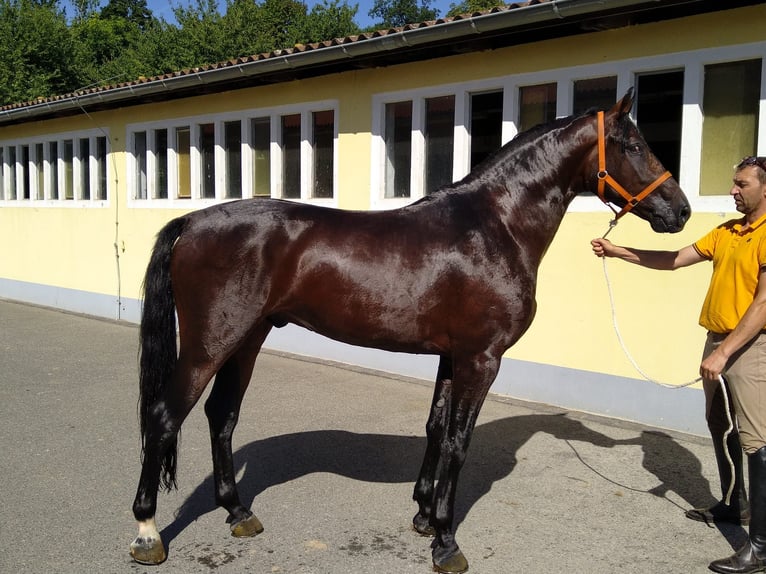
[
  {"x": 748, "y": 327},
  {"x": 663, "y": 260}
]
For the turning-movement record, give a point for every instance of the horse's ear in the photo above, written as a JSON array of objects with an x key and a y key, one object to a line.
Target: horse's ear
[{"x": 623, "y": 107}]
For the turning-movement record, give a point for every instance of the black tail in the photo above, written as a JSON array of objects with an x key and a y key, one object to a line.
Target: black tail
[{"x": 157, "y": 339}]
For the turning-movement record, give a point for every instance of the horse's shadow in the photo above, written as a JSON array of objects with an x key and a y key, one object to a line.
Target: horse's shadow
[{"x": 395, "y": 459}]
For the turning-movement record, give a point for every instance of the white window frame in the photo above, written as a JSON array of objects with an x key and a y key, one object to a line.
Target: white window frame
[
  {"x": 692, "y": 63},
  {"x": 219, "y": 121},
  {"x": 461, "y": 140},
  {"x": 47, "y": 166}
]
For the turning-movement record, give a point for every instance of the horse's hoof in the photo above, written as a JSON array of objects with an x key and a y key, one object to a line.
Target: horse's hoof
[
  {"x": 422, "y": 526},
  {"x": 452, "y": 565},
  {"x": 250, "y": 526},
  {"x": 148, "y": 551}
]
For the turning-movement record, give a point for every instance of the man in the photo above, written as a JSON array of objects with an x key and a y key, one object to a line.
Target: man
[{"x": 734, "y": 314}]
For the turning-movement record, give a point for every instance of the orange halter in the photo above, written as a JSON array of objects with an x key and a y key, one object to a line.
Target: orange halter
[{"x": 604, "y": 178}]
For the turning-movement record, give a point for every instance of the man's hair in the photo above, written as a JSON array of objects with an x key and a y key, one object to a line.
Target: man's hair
[{"x": 756, "y": 161}]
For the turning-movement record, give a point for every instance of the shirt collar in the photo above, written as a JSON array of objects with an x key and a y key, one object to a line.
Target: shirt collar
[{"x": 755, "y": 225}]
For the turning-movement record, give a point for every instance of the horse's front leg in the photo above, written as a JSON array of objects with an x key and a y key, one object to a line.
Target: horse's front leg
[
  {"x": 222, "y": 409},
  {"x": 470, "y": 386},
  {"x": 437, "y": 422}
]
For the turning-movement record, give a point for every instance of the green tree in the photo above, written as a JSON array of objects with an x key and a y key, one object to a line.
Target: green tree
[
  {"x": 99, "y": 44},
  {"x": 471, "y": 6},
  {"x": 330, "y": 20},
  {"x": 284, "y": 22},
  {"x": 158, "y": 49},
  {"x": 243, "y": 30},
  {"x": 396, "y": 13},
  {"x": 35, "y": 51},
  {"x": 44, "y": 51},
  {"x": 135, "y": 11},
  {"x": 200, "y": 38},
  {"x": 84, "y": 8}
]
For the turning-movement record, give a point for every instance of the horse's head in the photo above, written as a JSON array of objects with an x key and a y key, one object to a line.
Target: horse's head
[{"x": 630, "y": 176}]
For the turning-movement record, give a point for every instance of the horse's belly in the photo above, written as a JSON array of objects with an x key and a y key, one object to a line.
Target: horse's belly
[{"x": 399, "y": 332}]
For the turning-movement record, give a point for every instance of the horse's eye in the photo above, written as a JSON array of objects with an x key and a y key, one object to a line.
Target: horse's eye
[{"x": 633, "y": 148}]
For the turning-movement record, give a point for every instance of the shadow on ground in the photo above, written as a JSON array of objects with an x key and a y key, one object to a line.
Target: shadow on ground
[{"x": 396, "y": 459}]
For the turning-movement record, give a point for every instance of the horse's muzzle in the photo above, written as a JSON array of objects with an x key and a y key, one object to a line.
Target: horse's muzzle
[{"x": 673, "y": 223}]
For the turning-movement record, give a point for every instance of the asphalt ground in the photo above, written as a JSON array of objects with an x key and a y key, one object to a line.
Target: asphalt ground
[{"x": 326, "y": 458}]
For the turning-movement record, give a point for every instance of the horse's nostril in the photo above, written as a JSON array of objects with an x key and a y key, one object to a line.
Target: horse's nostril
[{"x": 684, "y": 214}]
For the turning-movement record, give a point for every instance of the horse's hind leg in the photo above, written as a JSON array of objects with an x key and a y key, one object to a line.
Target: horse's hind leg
[
  {"x": 164, "y": 421},
  {"x": 222, "y": 409},
  {"x": 437, "y": 422}
]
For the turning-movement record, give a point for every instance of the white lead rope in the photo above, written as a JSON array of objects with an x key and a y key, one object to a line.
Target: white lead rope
[{"x": 727, "y": 499}]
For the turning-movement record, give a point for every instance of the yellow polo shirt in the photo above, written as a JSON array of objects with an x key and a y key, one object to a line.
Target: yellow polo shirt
[{"x": 737, "y": 256}]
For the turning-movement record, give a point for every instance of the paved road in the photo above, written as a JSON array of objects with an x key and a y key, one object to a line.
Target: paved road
[{"x": 326, "y": 458}]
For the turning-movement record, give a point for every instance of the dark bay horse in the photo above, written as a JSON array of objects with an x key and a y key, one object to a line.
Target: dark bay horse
[{"x": 453, "y": 274}]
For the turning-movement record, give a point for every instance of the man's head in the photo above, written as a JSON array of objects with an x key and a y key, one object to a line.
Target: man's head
[
  {"x": 749, "y": 189},
  {"x": 758, "y": 162}
]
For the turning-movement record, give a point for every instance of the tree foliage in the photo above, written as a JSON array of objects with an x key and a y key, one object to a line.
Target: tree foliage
[
  {"x": 34, "y": 49},
  {"x": 396, "y": 13},
  {"x": 471, "y": 6},
  {"x": 47, "y": 49}
]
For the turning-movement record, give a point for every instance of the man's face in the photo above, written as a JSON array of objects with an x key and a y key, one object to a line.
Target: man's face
[{"x": 748, "y": 191}]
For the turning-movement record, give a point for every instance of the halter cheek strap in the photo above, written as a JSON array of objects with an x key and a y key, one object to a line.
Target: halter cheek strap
[{"x": 604, "y": 178}]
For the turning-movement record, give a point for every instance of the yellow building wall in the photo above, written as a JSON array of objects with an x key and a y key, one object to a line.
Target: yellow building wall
[{"x": 78, "y": 248}]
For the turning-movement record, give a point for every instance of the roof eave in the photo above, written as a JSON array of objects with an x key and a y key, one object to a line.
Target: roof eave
[{"x": 286, "y": 61}]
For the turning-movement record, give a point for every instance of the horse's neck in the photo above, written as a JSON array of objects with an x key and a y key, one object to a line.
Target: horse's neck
[{"x": 537, "y": 200}]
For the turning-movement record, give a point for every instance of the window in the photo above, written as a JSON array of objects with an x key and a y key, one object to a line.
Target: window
[
  {"x": 160, "y": 164},
  {"x": 659, "y": 106},
  {"x": 291, "y": 156},
  {"x": 730, "y": 126},
  {"x": 83, "y": 161},
  {"x": 486, "y": 126},
  {"x": 537, "y": 105},
  {"x": 68, "y": 169},
  {"x": 598, "y": 93},
  {"x": 439, "y": 141},
  {"x": 261, "y": 139},
  {"x": 26, "y": 176},
  {"x": 39, "y": 172},
  {"x": 11, "y": 169},
  {"x": 183, "y": 161},
  {"x": 290, "y": 150},
  {"x": 140, "y": 153},
  {"x": 233, "y": 150},
  {"x": 398, "y": 143},
  {"x": 207, "y": 160},
  {"x": 323, "y": 132},
  {"x": 53, "y": 163}
]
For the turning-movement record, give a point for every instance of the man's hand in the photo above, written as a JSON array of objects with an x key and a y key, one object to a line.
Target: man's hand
[
  {"x": 713, "y": 365},
  {"x": 602, "y": 247}
]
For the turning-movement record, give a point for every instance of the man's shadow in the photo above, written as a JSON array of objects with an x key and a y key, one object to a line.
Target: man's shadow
[
  {"x": 396, "y": 459},
  {"x": 673, "y": 465}
]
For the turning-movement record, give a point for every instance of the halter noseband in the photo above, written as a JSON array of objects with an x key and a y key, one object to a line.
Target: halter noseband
[{"x": 604, "y": 178}]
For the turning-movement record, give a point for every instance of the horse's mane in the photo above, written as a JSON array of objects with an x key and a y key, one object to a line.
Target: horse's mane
[
  {"x": 523, "y": 140},
  {"x": 533, "y": 133}
]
